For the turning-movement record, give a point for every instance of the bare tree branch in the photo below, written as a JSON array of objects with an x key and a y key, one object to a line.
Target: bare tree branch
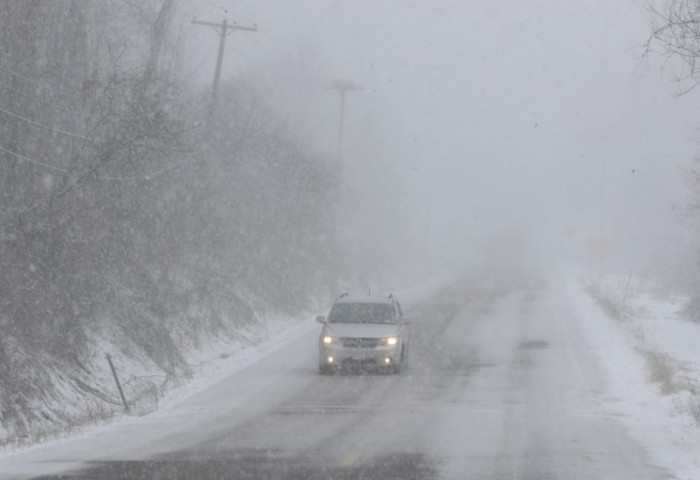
[{"x": 676, "y": 30}]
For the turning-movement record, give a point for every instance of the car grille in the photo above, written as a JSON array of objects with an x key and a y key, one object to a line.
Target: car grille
[{"x": 359, "y": 342}]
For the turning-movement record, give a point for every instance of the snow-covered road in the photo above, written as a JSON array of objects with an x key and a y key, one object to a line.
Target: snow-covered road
[{"x": 501, "y": 384}]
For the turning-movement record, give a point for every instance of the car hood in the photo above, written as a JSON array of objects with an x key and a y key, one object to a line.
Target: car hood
[{"x": 366, "y": 330}]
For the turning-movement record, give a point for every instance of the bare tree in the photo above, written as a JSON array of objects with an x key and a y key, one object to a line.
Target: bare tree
[
  {"x": 676, "y": 32},
  {"x": 120, "y": 209},
  {"x": 676, "y": 29}
]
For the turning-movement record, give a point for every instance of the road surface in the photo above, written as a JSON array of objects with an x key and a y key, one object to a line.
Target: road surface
[{"x": 501, "y": 385}]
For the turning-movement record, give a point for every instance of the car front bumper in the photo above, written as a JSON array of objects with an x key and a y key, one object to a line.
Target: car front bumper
[{"x": 343, "y": 356}]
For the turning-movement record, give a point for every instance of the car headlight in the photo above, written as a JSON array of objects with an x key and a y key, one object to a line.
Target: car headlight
[
  {"x": 391, "y": 341},
  {"x": 327, "y": 340}
]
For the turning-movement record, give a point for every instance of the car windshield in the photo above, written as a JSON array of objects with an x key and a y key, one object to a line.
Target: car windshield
[{"x": 362, "y": 313}]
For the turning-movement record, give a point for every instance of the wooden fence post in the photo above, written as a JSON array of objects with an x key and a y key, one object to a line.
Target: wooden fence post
[{"x": 116, "y": 379}]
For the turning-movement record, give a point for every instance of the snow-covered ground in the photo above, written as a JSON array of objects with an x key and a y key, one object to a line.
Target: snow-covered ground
[
  {"x": 214, "y": 359},
  {"x": 651, "y": 356},
  {"x": 645, "y": 349}
]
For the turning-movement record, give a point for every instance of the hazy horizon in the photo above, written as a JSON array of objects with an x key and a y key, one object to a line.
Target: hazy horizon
[{"x": 538, "y": 127}]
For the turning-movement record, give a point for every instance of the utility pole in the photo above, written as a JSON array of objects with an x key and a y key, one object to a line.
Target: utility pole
[
  {"x": 223, "y": 30},
  {"x": 342, "y": 87}
]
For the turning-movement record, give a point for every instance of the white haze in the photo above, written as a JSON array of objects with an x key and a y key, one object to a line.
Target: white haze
[{"x": 511, "y": 129}]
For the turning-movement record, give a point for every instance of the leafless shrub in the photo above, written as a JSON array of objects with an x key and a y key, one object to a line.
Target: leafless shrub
[
  {"x": 662, "y": 370},
  {"x": 694, "y": 408},
  {"x": 691, "y": 311},
  {"x": 611, "y": 305}
]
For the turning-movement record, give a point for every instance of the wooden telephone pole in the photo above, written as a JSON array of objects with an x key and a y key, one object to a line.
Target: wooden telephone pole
[
  {"x": 342, "y": 87},
  {"x": 223, "y": 30}
]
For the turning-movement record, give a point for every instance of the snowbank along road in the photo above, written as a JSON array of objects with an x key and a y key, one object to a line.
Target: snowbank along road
[{"x": 500, "y": 385}]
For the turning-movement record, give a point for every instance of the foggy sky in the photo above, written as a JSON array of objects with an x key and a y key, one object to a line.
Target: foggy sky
[{"x": 530, "y": 125}]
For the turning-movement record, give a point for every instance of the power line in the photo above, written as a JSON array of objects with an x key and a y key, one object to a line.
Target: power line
[
  {"x": 44, "y": 84},
  {"x": 14, "y": 90},
  {"x": 44, "y": 127},
  {"x": 35, "y": 162},
  {"x": 262, "y": 47},
  {"x": 149, "y": 176},
  {"x": 277, "y": 43},
  {"x": 145, "y": 176}
]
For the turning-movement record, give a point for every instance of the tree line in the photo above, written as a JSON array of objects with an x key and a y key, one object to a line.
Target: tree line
[{"x": 125, "y": 198}]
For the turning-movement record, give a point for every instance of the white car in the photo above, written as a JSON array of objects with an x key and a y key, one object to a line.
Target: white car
[{"x": 363, "y": 331}]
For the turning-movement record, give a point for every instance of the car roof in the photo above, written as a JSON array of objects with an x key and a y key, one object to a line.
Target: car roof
[{"x": 355, "y": 298}]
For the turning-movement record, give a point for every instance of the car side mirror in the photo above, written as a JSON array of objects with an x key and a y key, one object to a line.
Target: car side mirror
[{"x": 321, "y": 318}]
